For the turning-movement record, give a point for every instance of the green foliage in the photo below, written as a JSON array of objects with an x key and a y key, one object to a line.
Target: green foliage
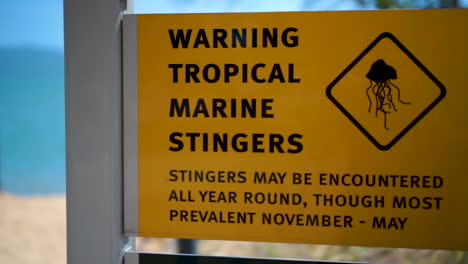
[
  {"x": 400, "y": 4},
  {"x": 386, "y": 4}
]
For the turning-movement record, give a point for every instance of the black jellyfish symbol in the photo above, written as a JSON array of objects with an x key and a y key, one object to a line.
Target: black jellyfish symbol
[{"x": 380, "y": 87}]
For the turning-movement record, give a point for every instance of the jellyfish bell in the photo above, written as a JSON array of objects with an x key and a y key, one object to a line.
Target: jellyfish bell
[
  {"x": 381, "y": 72},
  {"x": 390, "y": 73}
]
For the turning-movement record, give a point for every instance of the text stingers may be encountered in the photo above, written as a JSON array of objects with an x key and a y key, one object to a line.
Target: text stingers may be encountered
[{"x": 226, "y": 73}]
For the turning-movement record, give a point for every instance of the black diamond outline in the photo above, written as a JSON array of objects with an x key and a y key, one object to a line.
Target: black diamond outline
[{"x": 390, "y": 36}]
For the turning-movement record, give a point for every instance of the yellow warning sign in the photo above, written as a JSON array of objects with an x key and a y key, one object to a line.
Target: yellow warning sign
[{"x": 309, "y": 127}]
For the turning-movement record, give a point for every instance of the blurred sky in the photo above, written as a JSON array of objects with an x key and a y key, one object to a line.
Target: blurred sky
[
  {"x": 40, "y": 23},
  {"x": 32, "y": 23},
  {"x": 198, "y": 6}
]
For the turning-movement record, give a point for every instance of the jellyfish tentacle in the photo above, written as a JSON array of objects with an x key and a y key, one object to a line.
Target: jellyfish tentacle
[
  {"x": 377, "y": 98},
  {"x": 374, "y": 91},
  {"x": 368, "y": 96},
  {"x": 389, "y": 96},
  {"x": 385, "y": 114},
  {"x": 385, "y": 120},
  {"x": 381, "y": 98},
  {"x": 399, "y": 93}
]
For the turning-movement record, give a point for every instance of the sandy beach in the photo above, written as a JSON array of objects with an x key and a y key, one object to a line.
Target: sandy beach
[{"x": 33, "y": 231}]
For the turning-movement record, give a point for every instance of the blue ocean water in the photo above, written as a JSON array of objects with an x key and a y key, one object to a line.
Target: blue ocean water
[{"x": 32, "y": 121}]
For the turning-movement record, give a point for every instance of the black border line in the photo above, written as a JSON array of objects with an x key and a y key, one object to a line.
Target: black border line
[{"x": 416, "y": 61}]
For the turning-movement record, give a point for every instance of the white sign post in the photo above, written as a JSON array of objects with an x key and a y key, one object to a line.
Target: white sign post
[{"x": 93, "y": 80}]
